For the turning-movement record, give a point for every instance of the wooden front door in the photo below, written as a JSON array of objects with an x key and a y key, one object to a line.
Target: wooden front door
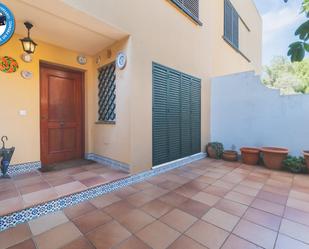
[{"x": 62, "y": 108}]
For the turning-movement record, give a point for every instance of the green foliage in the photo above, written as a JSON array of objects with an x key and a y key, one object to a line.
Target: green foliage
[
  {"x": 295, "y": 164},
  {"x": 297, "y": 50},
  {"x": 289, "y": 77},
  {"x": 218, "y": 148}
]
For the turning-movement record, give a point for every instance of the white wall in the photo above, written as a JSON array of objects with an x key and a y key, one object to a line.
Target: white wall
[{"x": 246, "y": 113}]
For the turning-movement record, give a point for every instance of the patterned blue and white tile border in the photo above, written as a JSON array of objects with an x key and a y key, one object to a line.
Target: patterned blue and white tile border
[
  {"x": 28, "y": 214},
  {"x": 22, "y": 168},
  {"x": 108, "y": 161}
]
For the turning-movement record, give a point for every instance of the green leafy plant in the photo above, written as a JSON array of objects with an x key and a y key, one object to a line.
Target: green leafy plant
[
  {"x": 218, "y": 148},
  {"x": 290, "y": 78},
  {"x": 298, "y": 49},
  {"x": 295, "y": 164}
]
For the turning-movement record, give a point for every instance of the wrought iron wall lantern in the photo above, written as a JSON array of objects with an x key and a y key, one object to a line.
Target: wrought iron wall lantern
[{"x": 28, "y": 44}]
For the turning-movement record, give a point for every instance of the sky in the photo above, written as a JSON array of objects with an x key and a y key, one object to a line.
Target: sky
[{"x": 280, "y": 20}]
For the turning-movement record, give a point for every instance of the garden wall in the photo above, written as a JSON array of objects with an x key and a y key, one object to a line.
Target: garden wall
[{"x": 246, "y": 113}]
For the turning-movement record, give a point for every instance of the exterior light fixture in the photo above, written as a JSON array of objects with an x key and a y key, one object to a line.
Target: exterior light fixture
[{"x": 28, "y": 44}]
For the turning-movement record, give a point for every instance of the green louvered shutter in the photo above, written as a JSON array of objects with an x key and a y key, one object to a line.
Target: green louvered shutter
[
  {"x": 186, "y": 147},
  {"x": 228, "y": 20},
  {"x": 235, "y": 29},
  {"x": 196, "y": 115},
  {"x": 159, "y": 112},
  {"x": 176, "y": 115},
  {"x": 231, "y": 24}
]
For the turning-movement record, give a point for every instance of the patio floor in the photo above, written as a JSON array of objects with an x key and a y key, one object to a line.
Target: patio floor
[
  {"x": 29, "y": 189},
  {"x": 206, "y": 204}
]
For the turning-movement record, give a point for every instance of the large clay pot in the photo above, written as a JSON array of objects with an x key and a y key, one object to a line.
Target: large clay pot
[
  {"x": 306, "y": 155},
  {"x": 211, "y": 152},
  {"x": 230, "y": 155},
  {"x": 273, "y": 157},
  {"x": 250, "y": 155}
]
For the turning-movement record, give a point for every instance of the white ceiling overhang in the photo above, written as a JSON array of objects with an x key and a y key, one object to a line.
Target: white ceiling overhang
[{"x": 62, "y": 25}]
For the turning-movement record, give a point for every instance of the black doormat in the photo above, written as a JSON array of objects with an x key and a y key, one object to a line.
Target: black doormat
[{"x": 65, "y": 165}]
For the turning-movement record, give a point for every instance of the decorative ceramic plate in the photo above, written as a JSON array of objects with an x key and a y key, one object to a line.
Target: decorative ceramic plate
[
  {"x": 81, "y": 59},
  {"x": 8, "y": 64},
  {"x": 26, "y": 57},
  {"x": 121, "y": 60},
  {"x": 26, "y": 74}
]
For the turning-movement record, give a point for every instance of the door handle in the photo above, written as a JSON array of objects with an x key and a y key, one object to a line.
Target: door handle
[{"x": 62, "y": 124}]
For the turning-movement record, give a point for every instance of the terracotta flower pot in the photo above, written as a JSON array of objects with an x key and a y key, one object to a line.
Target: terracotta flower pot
[
  {"x": 230, "y": 155},
  {"x": 306, "y": 155},
  {"x": 250, "y": 155},
  {"x": 273, "y": 157},
  {"x": 211, "y": 152}
]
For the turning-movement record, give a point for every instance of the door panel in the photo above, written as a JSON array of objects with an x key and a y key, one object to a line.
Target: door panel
[
  {"x": 59, "y": 105},
  {"x": 61, "y": 114}
]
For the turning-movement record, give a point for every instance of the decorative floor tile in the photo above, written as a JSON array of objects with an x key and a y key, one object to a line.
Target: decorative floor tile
[
  {"x": 263, "y": 218},
  {"x": 133, "y": 243},
  {"x": 14, "y": 236},
  {"x": 178, "y": 220},
  {"x": 57, "y": 237},
  {"x": 234, "y": 242},
  {"x": 158, "y": 235},
  {"x": 185, "y": 242},
  {"x": 295, "y": 230},
  {"x": 108, "y": 235},
  {"x": 221, "y": 219},
  {"x": 47, "y": 222},
  {"x": 207, "y": 234},
  {"x": 256, "y": 234},
  {"x": 156, "y": 208},
  {"x": 285, "y": 242},
  {"x": 90, "y": 221},
  {"x": 268, "y": 206}
]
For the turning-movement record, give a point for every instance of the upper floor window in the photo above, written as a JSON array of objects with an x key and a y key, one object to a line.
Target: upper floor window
[
  {"x": 231, "y": 25},
  {"x": 189, "y": 7}
]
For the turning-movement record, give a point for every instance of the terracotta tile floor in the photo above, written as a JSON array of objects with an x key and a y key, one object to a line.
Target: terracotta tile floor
[
  {"x": 206, "y": 204},
  {"x": 28, "y": 189}
]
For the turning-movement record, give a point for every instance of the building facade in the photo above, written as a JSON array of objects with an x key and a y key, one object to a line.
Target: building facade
[{"x": 154, "y": 110}]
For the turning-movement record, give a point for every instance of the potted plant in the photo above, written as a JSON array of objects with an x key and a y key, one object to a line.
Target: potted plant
[
  {"x": 250, "y": 155},
  {"x": 230, "y": 155},
  {"x": 215, "y": 150},
  {"x": 306, "y": 155},
  {"x": 273, "y": 157},
  {"x": 295, "y": 164}
]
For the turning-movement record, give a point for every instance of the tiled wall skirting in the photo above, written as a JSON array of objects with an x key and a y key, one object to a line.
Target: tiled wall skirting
[
  {"x": 22, "y": 168},
  {"x": 61, "y": 203},
  {"x": 107, "y": 161}
]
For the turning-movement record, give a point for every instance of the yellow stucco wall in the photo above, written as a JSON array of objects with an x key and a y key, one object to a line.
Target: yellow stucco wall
[
  {"x": 113, "y": 140},
  {"x": 18, "y": 94},
  {"x": 163, "y": 35},
  {"x": 167, "y": 36}
]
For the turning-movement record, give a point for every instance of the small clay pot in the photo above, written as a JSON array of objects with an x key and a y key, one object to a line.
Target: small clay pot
[
  {"x": 230, "y": 155},
  {"x": 250, "y": 155},
  {"x": 273, "y": 157},
  {"x": 211, "y": 152},
  {"x": 306, "y": 155}
]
